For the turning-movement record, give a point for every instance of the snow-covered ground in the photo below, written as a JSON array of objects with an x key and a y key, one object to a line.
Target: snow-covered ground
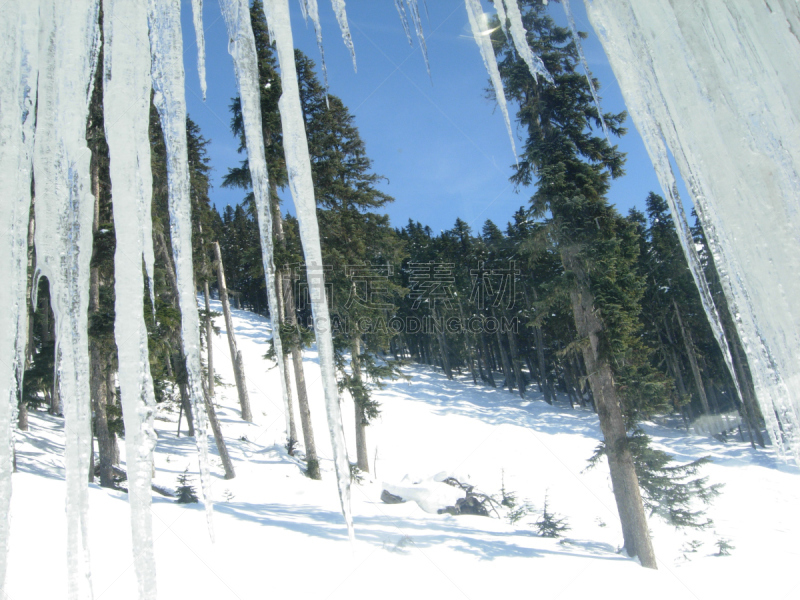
[{"x": 280, "y": 534}]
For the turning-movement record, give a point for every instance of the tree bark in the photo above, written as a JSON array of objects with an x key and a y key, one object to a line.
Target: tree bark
[
  {"x": 236, "y": 357},
  {"x": 362, "y": 460},
  {"x": 624, "y": 481},
  {"x": 227, "y": 464},
  {"x": 512, "y": 347},
  {"x": 209, "y": 339},
  {"x": 689, "y": 345}
]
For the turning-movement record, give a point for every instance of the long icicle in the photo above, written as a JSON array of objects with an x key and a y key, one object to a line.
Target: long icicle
[
  {"x": 298, "y": 164},
  {"x": 200, "y": 38},
  {"x": 18, "y": 70},
  {"x": 311, "y": 9},
  {"x": 413, "y": 8},
  {"x": 126, "y": 105},
  {"x": 341, "y": 17},
  {"x": 520, "y": 38},
  {"x": 69, "y": 43},
  {"x": 242, "y": 48},
  {"x": 482, "y": 36},
  {"x": 166, "y": 48}
]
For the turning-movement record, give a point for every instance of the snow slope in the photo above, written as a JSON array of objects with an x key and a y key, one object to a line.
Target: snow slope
[{"x": 280, "y": 534}]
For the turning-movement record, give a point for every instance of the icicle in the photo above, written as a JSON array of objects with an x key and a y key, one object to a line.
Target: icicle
[
  {"x": 414, "y": 10},
  {"x": 579, "y": 46},
  {"x": 126, "y": 104},
  {"x": 401, "y": 10},
  {"x": 304, "y": 9},
  {"x": 311, "y": 9},
  {"x": 166, "y": 47},
  {"x": 68, "y": 43},
  {"x": 242, "y": 47},
  {"x": 520, "y": 37},
  {"x": 341, "y": 17},
  {"x": 18, "y": 71},
  {"x": 298, "y": 164},
  {"x": 200, "y": 38},
  {"x": 718, "y": 86},
  {"x": 501, "y": 16},
  {"x": 482, "y": 35}
]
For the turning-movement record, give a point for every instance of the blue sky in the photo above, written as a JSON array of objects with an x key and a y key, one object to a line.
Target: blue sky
[{"x": 440, "y": 143}]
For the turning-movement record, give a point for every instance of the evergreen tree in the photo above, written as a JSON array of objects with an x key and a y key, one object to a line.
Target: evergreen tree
[{"x": 598, "y": 249}]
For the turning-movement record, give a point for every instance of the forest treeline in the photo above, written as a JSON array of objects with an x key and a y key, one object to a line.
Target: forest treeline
[{"x": 570, "y": 302}]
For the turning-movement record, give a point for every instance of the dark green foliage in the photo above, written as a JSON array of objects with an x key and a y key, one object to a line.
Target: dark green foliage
[
  {"x": 185, "y": 492},
  {"x": 550, "y": 525},
  {"x": 669, "y": 490},
  {"x": 724, "y": 547}
]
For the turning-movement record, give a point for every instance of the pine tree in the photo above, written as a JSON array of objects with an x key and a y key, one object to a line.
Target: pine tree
[{"x": 598, "y": 249}]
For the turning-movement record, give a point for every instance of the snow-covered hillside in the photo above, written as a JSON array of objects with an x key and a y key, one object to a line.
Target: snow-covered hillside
[{"x": 280, "y": 534}]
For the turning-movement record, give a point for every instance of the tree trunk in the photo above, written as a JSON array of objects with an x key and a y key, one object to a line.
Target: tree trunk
[
  {"x": 236, "y": 357},
  {"x": 689, "y": 345},
  {"x": 209, "y": 338},
  {"x": 227, "y": 465},
  {"x": 624, "y": 481},
  {"x": 487, "y": 361},
  {"x": 504, "y": 357},
  {"x": 287, "y": 378},
  {"x": 512, "y": 347},
  {"x": 362, "y": 460}
]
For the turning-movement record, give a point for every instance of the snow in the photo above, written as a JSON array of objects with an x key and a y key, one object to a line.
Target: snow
[
  {"x": 126, "y": 102},
  {"x": 166, "y": 47},
  {"x": 430, "y": 493},
  {"x": 18, "y": 70},
  {"x": 481, "y": 33},
  {"x": 280, "y": 534},
  {"x": 242, "y": 47},
  {"x": 715, "y": 84},
  {"x": 298, "y": 164},
  {"x": 200, "y": 40}
]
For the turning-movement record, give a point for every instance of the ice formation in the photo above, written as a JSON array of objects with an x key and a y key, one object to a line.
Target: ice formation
[
  {"x": 520, "y": 38},
  {"x": 126, "y": 104},
  {"x": 717, "y": 84},
  {"x": 19, "y": 31},
  {"x": 200, "y": 38},
  {"x": 166, "y": 47},
  {"x": 311, "y": 9},
  {"x": 482, "y": 35},
  {"x": 341, "y": 17},
  {"x": 298, "y": 165},
  {"x": 68, "y": 45},
  {"x": 242, "y": 47},
  {"x": 413, "y": 9}
]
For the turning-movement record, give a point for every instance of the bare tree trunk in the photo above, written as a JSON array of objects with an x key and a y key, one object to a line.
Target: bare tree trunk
[
  {"x": 227, "y": 464},
  {"x": 487, "y": 361},
  {"x": 512, "y": 346},
  {"x": 624, "y": 481},
  {"x": 236, "y": 356},
  {"x": 689, "y": 345},
  {"x": 504, "y": 357},
  {"x": 362, "y": 460},
  {"x": 209, "y": 339},
  {"x": 287, "y": 378}
]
